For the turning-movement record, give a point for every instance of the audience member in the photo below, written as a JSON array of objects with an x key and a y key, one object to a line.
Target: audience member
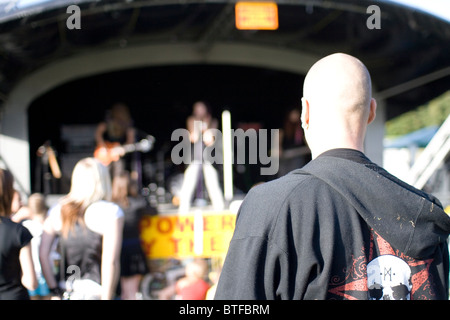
[
  {"x": 341, "y": 227},
  {"x": 133, "y": 263},
  {"x": 35, "y": 224},
  {"x": 16, "y": 262},
  {"x": 89, "y": 227},
  {"x": 192, "y": 286}
]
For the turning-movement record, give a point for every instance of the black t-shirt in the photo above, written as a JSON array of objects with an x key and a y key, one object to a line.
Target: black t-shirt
[{"x": 13, "y": 237}]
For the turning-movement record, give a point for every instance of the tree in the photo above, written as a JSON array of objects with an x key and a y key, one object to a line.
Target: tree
[{"x": 432, "y": 113}]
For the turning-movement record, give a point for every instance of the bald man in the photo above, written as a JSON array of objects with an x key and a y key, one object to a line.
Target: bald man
[
  {"x": 341, "y": 227},
  {"x": 337, "y": 98}
]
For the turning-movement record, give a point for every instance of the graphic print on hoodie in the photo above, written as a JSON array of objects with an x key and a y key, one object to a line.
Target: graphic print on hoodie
[
  {"x": 389, "y": 276},
  {"x": 339, "y": 228}
]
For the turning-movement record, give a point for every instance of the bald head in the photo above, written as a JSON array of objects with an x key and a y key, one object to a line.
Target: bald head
[
  {"x": 339, "y": 82},
  {"x": 337, "y": 100}
]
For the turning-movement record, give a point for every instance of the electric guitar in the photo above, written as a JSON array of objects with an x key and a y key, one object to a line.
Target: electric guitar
[
  {"x": 113, "y": 151},
  {"x": 48, "y": 154}
]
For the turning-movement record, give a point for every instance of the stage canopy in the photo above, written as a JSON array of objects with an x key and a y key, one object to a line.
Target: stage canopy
[{"x": 407, "y": 56}]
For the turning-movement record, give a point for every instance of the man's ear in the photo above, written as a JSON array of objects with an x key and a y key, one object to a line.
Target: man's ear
[
  {"x": 372, "y": 111},
  {"x": 305, "y": 113}
]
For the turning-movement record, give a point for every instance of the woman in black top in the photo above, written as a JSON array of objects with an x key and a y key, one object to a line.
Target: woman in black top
[
  {"x": 133, "y": 262},
  {"x": 16, "y": 263}
]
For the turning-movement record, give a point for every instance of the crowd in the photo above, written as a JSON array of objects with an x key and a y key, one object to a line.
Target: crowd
[
  {"x": 86, "y": 247},
  {"x": 86, "y": 226},
  {"x": 340, "y": 227}
]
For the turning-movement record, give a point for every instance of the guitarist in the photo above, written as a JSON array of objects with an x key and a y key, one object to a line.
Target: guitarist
[{"x": 116, "y": 130}]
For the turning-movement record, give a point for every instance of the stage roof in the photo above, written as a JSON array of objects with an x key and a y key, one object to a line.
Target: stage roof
[{"x": 408, "y": 57}]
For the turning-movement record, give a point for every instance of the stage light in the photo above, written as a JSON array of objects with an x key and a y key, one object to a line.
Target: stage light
[{"x": 256, "y": 15}]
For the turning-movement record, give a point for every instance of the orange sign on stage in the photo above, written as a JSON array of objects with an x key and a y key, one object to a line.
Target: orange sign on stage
[{"x": 256, "y": 15}]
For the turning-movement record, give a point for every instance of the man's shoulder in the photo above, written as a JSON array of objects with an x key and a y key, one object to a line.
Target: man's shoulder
[
  {"x": 283, "y": 187},
  {"x": 266, "y": 201},
  {"x": 273, "y": 204}
]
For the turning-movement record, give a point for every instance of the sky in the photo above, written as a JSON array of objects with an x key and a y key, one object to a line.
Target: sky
[{"x": 440, "y": 8}]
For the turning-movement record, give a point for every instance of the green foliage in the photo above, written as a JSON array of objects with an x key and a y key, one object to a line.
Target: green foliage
[{"x": 433, "y": 113}]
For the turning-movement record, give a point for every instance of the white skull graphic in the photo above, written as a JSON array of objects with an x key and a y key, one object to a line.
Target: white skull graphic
[{"x": 388, "y": 278}]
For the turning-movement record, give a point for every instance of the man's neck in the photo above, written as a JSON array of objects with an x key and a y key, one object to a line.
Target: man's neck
[
  {"x": 349, "y": 154},
  {"x": 315, "y": 152}
]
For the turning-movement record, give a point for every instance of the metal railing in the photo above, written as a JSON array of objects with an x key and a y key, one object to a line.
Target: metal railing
[{"x": 431, "y": 157}]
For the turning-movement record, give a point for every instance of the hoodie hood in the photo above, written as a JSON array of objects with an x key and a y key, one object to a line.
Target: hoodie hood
[{"x": 409, "y": 219}]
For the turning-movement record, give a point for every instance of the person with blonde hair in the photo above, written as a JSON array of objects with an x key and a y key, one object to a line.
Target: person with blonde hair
[
  {"x": 193, "y": 286},
  {"x": 89, "y": 227},
  {"x": 34, "y": 213},
  {"x": 190, "y": 287},
  {"x": 16, "y": 262}
]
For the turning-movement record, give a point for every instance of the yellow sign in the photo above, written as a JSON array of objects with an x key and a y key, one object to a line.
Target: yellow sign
[
  {"x": 256, "y": 15},
  {"x": 206, "y": 234}
]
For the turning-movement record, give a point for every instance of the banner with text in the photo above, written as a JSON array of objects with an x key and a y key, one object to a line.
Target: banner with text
[{"x": 201, "y": 234}]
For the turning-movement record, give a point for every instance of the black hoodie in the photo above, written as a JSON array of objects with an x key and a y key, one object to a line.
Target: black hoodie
[{"x": 339, "y": 228}]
